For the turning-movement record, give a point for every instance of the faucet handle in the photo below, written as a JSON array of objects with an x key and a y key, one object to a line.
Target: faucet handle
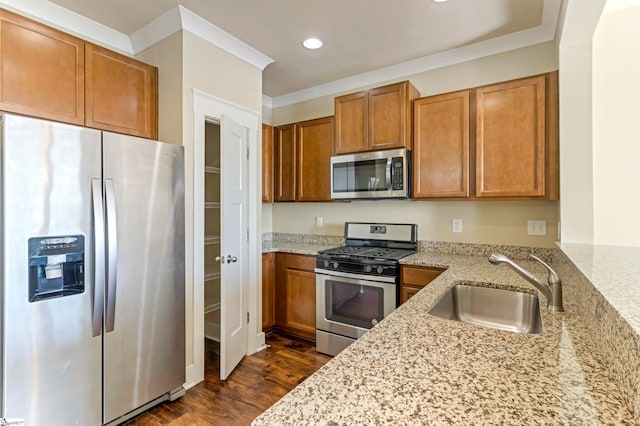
[{"x": 553, "y": 276}]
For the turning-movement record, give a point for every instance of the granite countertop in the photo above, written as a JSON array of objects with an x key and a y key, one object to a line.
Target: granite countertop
[
  {"x": 308, "y": 248},
  {"x": 413, "y": 368}
]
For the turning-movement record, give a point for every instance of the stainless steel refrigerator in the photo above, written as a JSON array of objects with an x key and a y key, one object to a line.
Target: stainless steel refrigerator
[{"x": 92, "y": 270}]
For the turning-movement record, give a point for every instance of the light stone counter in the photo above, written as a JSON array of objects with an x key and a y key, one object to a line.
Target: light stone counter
[
  {"x": 294, "y": 247},
  {"x": 413, "y": 368}
]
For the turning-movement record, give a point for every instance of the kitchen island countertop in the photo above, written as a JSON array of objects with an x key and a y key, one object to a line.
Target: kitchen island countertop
[{"x": 413, "y": 368}]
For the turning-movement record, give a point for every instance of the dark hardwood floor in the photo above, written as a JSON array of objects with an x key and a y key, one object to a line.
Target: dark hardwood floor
[{"x": 258, "y": 381}]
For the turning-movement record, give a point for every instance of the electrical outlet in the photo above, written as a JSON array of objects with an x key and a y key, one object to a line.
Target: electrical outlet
[
  {"x": 537, "y": 227},
  {"x": 319, "y": 222},
  {"x": 456, "y": 225}
]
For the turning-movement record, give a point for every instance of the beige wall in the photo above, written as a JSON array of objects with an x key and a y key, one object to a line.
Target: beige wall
[
  {"x": 186, "y": 62},
  {"x": 219, "y": 73},
  {"x": 501, "y": 222},
  {"x": 576, "y": 130},
  {"x": 517, "y": 63},
  {"x": 616, "y": 134},
  {"x": 167, "y": 56},
  {"x": 484, "y": 222}
]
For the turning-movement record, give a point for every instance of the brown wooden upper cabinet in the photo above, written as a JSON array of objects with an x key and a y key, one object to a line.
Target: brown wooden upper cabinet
[
  {"x": 121, "y": 93},
  {"x": 267, "y": 163},
  {"x": 441, "y": 146},
  {"x": 41, "y": 70},
  {"x": 284, "y": 175},
  {"x": 302, "y": 160},
  {"x": 496, "y": 141},
  {"x": 49, "y": 74},
  {"x": 510, "y": 139},
  {"x": 375, "y": 119},
  {"x": 314, "y": 149}
]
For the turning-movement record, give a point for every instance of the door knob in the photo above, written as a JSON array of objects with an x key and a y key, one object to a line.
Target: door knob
[
  {"x": 220, "y": 259},
  {"x": 231, "y": 259}
]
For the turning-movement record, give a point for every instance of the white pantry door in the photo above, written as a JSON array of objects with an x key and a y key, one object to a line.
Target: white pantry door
[{"x": 233, "y": 192}]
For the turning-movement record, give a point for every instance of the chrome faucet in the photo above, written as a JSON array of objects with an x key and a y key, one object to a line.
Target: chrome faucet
[{"x": 552, "y": 291}]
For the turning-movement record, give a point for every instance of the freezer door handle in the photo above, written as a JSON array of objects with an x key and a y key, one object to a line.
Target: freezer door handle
[
  {"x": 112, "y": 254},
  {"x": 98, "y": 252}
]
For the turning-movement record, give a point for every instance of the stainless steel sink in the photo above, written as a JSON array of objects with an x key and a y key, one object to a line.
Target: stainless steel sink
[{"x": 491, "y": 307}]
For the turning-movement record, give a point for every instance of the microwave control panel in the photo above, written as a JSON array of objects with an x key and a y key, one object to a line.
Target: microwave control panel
[{"x": 397, "y": 173}]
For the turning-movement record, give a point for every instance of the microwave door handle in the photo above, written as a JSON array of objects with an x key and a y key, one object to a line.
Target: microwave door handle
[{"x": 388, "y": 174}]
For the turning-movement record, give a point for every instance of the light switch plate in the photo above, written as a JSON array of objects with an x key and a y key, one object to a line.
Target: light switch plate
[
  {"x": 537, "y": 227},
  {"x": 456, "y": 225},
  {"x": 319, "y": 222}
]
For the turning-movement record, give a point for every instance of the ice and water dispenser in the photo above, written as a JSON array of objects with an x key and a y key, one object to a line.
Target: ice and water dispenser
[{"x": 56, "y": 267}]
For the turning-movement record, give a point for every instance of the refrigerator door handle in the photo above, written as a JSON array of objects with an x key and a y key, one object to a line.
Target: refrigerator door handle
[
  {"x": 112, "y": 254},
  {"x": 98, "y": 251}
]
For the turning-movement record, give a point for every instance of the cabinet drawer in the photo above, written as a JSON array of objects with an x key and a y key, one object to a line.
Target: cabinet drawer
[
  {"x": 417, "y": 276},
  {"x": 299, "y": 261}
]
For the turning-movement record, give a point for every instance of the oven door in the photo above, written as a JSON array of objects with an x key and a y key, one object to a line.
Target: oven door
[{"x": 350, "y": 304}]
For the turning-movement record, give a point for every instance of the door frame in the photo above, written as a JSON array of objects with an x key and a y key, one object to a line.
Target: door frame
[{"x": 209, "y": 107}]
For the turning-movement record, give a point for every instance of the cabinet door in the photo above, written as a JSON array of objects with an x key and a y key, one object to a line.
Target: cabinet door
[
  {"x": 301, "y": 301},
  {"x": 295, "y": 292},
  {"x": 352, "y": 118},
  {"x": 510, "y": 139},
  {"x": 267, "y": 163},
  {"x": 390, "y": 116},
  {"x": 268, "y": 291},
  {"x": 407, "y": 292},
  {"x": 285, "y": 163},
  {"x": 314, "y": 148},
  {"x": 41, "y": 70},
  {"x": 122, "y": 93},
  {"x": 414, "y": 278},
  {"x": 441, "y": 146}
]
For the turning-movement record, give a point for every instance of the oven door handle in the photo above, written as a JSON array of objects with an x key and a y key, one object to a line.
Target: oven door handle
[
  {"x": 374, "y": 279},
  {"x": 388, "y": 174}
]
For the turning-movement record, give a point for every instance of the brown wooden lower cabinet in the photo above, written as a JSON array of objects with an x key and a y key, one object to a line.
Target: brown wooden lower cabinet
[
  {"x": 295, "y": 294},
  {"x": 415, "y": 278},
  {"x": 268, "y": 291}
]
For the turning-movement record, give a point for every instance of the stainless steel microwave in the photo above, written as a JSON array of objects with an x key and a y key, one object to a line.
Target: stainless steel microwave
[{"x": 368, "y": 175}]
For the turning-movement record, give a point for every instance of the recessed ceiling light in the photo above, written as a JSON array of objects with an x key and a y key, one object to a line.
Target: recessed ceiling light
[
  {"x": 440, "y": 1},
  {"x": 312, "y": 43}
]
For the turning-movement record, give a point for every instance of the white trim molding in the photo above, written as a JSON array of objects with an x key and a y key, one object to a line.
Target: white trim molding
[
  {"x": 544, "y": 32},
  {"x": 71, "y": 22},
  {"x": 179, "y": 17},
  {"x": 175, "y": 19},
  {"x": 206, "y": 106}
]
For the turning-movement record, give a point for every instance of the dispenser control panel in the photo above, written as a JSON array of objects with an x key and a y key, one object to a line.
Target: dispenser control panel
[{"x": 56, "y": 266}]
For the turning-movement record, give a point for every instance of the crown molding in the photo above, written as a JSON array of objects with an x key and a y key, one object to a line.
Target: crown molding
[
  {"x": 267, "y": 101},
  {"x": 160, "y": 28},
  {"x": 56, "y": 16},
  {"x": 542, "y": 33},
  {"x": 179, "y": 17},
  {"x": 175, "y": 19}
]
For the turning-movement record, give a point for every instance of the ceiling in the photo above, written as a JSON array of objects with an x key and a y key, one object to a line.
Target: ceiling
[{"x": 359, "y": 35}]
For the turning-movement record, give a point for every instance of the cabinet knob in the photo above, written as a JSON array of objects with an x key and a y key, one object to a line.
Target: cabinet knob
[
  {"x": 231, "y": 259},
  {"x": 220, "y": 259}
]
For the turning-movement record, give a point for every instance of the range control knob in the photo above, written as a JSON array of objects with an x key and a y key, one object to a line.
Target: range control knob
[
  {"x": 380, "y": 269},
  {"x": 367, "y": 268},
  {"x": 335, "y": 265},
  {"x": 326, "y": 263}
]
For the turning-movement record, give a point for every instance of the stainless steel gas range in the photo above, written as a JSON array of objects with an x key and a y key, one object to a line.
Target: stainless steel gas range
[{"x": 358, "y": 284}]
